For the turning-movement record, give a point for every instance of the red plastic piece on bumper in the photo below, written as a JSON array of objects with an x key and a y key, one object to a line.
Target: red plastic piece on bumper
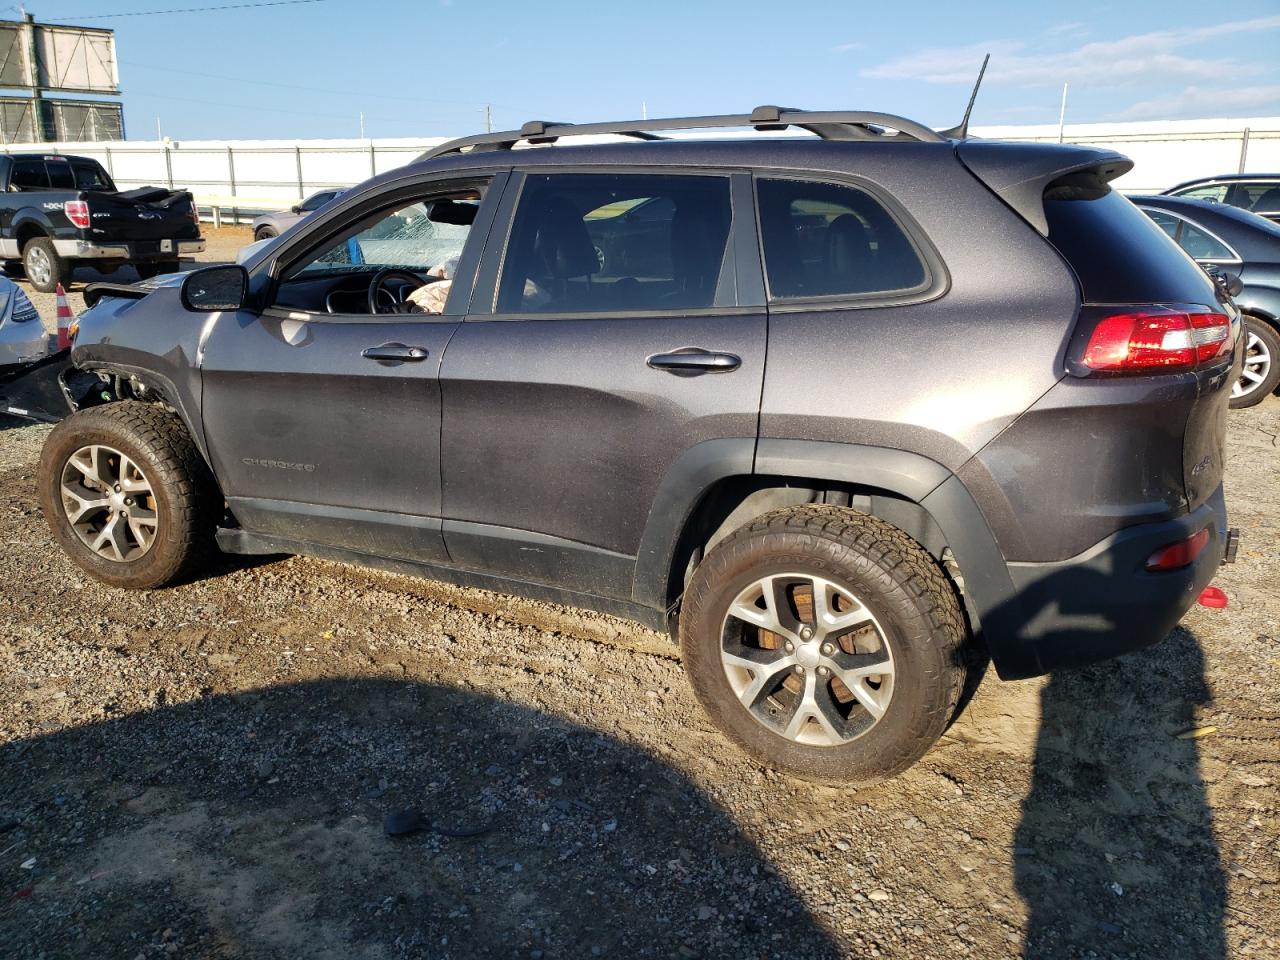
[{"x": 1212, "y": 597}]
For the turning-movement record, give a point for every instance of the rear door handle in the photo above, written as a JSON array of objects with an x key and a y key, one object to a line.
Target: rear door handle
[
  {"x": 389, "y": 353},
  {"x": 691, "y": 361}
]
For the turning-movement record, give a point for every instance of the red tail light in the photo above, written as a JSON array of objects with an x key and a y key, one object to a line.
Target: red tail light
[
  {"x": 78, "y": 213},
  {"x": 1156, "y": 339},
  {"x": 1178, "y": 555}
]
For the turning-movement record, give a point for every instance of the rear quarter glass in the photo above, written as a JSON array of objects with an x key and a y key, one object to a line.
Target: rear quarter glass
[{"x": 1120, "y": 256}]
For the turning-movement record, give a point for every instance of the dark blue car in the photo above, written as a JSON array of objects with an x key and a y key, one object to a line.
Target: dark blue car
[{"x": 1240, "y": 244}]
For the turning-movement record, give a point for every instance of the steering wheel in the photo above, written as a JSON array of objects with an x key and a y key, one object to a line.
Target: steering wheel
[{"x": 378, "y": 285}]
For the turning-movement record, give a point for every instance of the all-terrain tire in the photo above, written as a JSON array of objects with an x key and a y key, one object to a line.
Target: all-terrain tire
[
  {"x": 187, "y": 502},
  {"x": 43, "y": 267},
  {"x": 892, "y": 575}
]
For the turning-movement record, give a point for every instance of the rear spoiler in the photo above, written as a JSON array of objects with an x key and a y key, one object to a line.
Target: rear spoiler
[
  {"x": 94, "y": 292},
  {"x": 1018, "y": 173}
]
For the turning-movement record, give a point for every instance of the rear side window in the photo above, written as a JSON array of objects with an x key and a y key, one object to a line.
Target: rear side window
[
  {"x": 604, "y": 243},
  {"x": 1118, "y": 254},
  {"x": 29, "y": 175},
  {"x": 60, "y": 176},
  {"x": 1202, "y": 245},
  {"x": 829, "y": 240},
  {"x": 90, "y": 176}
]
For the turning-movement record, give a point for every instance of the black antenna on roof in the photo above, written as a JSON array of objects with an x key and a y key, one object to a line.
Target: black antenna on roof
[{"x": 962, "y": 130}]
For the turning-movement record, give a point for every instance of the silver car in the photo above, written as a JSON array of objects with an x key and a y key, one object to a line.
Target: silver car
[
  {"x": 22, "y": 336},
  {"x": 273, "y": 224}
]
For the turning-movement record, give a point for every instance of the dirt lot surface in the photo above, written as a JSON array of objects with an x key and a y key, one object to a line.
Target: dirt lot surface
[{"x": 205, "y": 772}]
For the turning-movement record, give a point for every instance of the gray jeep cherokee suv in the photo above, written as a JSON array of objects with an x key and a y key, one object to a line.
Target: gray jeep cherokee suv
[{"x": 837, "y": 408}]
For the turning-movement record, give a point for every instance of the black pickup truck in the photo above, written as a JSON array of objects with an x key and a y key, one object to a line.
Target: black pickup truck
[{"x": 55, "y": 210}]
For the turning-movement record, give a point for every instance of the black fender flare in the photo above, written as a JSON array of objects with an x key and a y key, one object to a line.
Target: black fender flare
[
  {"x": 988, "y": 586},
  {"x": 28, "y": 217}
]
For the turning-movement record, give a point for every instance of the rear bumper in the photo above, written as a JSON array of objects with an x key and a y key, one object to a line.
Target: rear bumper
[
  {"x": 135, "y": 251},
  {"x": 1103, "y": 602}
]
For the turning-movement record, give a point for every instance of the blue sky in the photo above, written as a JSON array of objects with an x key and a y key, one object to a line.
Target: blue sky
[{"x": 428, "y": 68}]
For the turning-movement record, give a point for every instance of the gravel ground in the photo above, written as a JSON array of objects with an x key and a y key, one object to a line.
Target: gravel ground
[{"x": 205, "y": 771}]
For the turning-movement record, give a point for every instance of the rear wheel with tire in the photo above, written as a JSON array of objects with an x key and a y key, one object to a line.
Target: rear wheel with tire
[
  {"x": 265, "y": 233},
  {"x": 1261, "y": 373},
  {"x": 42, "y": 265},
  {"x": 826, "y": 643},
  {"x": 127, "y": 495}
]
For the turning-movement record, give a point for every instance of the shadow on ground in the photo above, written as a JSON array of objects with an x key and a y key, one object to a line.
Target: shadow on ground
[
  {"x": 252, "y": 825},
  {"x": 1115, "y": 854}
]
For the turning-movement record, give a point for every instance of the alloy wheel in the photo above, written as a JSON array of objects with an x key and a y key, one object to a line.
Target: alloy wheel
[
  {"x": 39, "y": 269},
  {"x": 806, "y": 658},
  {"x": 1257, "y": 366},
  {"x": 109, "y": 503}
]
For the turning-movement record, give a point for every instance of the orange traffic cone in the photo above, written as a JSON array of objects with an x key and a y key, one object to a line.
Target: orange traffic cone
[{"x": 65, "y": 319}]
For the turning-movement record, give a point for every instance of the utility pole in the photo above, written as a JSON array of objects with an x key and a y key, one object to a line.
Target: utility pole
[
  {"x": 644, "y": 110},
  {"x": 361, "y": 124},
  {"x": 159, "y": 136},
  {"x": 1062, "y": 113},
  {"x": 488, "y": 118}
]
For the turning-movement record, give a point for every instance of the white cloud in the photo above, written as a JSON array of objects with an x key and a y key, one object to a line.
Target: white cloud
[
  {"x": 1142, "y": 56},
  {"x": 1206, "y": 102},
  {"x": 846, "y": 47}
]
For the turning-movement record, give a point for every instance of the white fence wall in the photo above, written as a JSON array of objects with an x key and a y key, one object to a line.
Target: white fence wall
[{"x": 272, "y": 174}]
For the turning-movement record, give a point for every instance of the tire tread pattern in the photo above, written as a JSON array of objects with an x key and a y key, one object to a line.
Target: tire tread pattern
[
  {"x": 911, "y": 569},
  {"x": 193, "y": 493}
]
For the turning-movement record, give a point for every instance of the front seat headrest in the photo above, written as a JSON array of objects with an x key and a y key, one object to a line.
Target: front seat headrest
[{"x": 562, "y": 247}]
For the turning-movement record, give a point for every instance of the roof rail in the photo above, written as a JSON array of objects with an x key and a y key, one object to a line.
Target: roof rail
[{"x": 827, "y": 124}]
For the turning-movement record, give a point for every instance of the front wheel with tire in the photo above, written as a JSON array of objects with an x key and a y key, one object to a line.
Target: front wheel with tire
[
  {"x": 1261, "y": 372},
  {"x": 42, "y": 265},
  {"x": 265, "y": 233},
  {"x": 826, "y": 643},
  {"x": 127, "y": 495}
]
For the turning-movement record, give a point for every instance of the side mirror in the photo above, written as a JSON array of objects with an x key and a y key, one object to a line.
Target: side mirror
[
  {"x": 296, "y": 208},
  {"x": 215, "y": 288}
]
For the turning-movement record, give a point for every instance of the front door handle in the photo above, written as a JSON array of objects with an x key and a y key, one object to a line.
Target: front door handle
[
  {"x": 691, "y": 361},
  {"x": 390, "y": 353}
]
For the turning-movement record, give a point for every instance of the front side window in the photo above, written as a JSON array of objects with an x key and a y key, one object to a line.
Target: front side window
[
  {"x": 1215, "y": 192},
  {"x": 401, "y": 259},
  {"x": 417, "y": 237},
  {"x": 827, "y": 239},
  {"x": 601, "y": 243},
  {"x": 90, "y": 176}
]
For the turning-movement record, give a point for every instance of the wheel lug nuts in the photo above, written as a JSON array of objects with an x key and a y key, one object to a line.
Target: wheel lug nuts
[
  {"x": 823, "y": 671},
  {"x": 791, "y": 647},
  {"x": 828, "y": 649},
  {"x": 800, "y": 670},
  {"x": 806, "y": 633}
]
